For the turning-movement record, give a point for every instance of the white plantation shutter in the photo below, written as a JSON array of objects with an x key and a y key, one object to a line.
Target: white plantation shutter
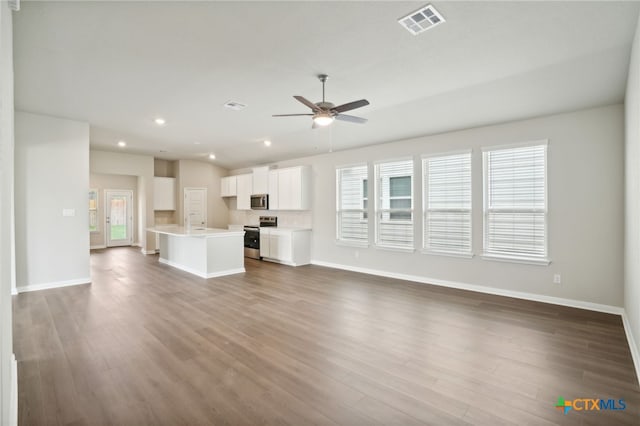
[
  {"x": 516, "y": 202},
  {"x": 447, "y": 195},
  {"x": 394, "y": 204},
  {"x": 352, "y": 222}
]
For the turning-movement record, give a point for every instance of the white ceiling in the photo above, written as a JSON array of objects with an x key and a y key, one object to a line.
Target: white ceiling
[{"x": 119, "y": 65}]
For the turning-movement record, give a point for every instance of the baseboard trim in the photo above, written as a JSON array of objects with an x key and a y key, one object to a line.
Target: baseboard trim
[
  {"x": 633, "y": 347},
  {"x": 146, "y": 252},
  {"x": 200, "y": 274},
  {"x": 609, "y": 309},
  {"x": 57, "y": 284},
  {"x": 98, "y": 247},
  {"x": 227, "y": 272},
  {"x": 13, "y": 413}
]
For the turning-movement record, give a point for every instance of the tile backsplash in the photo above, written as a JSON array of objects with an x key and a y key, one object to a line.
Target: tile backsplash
[{"x": 285, "y": 218}]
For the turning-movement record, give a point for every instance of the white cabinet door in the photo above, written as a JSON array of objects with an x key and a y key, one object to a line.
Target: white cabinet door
[
  {"x": 294, "y": 188},
  {"x": 280, "y": 245},
  {"x": 164, "y": 193},
  {"x": 244, "y": 190},
  {"x": 265, "y": 239},
  {"x": 273, "y": 190},
  {"x": 228, "y": 186},
  {"x": 260, "y": 180},
  {"x": 285, "y": 188}
]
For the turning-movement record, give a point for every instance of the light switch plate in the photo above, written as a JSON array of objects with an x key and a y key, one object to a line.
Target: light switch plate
[{"x": 68, "y": 212}]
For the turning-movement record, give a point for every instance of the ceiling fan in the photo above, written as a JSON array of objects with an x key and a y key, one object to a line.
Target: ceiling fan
[{"x": 325, "y": 112}]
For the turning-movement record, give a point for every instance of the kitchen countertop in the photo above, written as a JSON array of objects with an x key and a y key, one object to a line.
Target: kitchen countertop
[
  {"x": 289, "y": 228},
  {"x": 283, "y": 228},
  {"x": 181, "y": 231}
]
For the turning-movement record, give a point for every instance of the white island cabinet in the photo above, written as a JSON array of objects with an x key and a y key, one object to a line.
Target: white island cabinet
[{"x": 205, "y": 252}]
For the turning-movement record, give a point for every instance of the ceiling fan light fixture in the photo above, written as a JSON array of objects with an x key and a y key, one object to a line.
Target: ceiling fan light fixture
[{"x": 323, "y": 119}]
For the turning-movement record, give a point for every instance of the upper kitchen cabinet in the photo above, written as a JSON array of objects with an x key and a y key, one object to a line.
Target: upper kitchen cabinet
[
  {"x": 228, "y": 186},
  {"x": 293, "y": 188},
  {"x": 244, "y": 189},
  {"x": 273, "y": 190},
  {"x": 164, "y": 193},
  {"x": 260, "y": 180}
]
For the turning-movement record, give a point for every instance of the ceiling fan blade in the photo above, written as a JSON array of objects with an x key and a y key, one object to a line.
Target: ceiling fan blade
[
  {"x": 351, "y": 118},
  {"x": 308, "y": 103},
  {"x": 351, "y": 105},
  {"x": 290, "y": 115}
]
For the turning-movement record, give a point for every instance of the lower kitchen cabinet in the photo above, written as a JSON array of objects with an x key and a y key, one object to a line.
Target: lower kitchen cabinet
[{"x": 289, "y": 246}]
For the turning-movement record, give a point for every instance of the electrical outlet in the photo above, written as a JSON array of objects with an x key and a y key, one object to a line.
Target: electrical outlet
[
  {"x": 357, "y": 254},
  {"x": 557, "y": 279}
]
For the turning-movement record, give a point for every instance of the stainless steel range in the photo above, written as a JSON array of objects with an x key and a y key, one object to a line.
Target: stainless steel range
[{"x": 252, "y": 236}]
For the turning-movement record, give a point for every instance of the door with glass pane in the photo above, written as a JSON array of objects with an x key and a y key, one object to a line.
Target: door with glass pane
[{"x": 119, "y": 217}]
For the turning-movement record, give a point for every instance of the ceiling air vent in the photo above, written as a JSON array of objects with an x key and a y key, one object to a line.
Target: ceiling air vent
[
  {"x": 421, "y": 20},
  {"x": 236, "y": 106},
  {"x": 14, "y": 5}
]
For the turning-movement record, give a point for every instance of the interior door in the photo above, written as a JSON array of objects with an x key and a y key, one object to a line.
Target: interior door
[
  {"x": 119, "y": 217},
  {"x": 195, "y": 207}
]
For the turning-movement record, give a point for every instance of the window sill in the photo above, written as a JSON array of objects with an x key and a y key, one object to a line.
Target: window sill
[
  {"x": 511, "y": 259},
  {"x": 352, "y": 243},
  {"x": 448, "y": 254},
  {"x": 398, "y": 249}
]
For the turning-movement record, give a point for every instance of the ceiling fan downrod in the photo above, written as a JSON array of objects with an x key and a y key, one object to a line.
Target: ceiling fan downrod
[{"x": 323, "y": 78}]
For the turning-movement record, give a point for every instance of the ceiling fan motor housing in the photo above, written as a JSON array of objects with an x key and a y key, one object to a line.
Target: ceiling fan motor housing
[{"x": 325, "y": 105}]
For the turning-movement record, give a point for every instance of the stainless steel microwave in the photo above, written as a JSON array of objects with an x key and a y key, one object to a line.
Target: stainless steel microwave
[{"x": 260, "y": 202}]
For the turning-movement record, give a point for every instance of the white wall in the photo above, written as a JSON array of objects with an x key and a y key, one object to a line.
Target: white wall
[
  {"x": 116, "y": 163},
  {"x": 52, "y": 174},
  {"x": 198, "y": 174},
  {"x": 8, "y": 378},
  {"x": 585, "y": 174},
  {"x": 101, "y": 182},
  {"x": 632, "y": 199}
]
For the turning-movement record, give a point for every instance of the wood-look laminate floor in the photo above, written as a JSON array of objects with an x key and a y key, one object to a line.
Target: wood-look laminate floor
[{"x": 148, "y": 344}]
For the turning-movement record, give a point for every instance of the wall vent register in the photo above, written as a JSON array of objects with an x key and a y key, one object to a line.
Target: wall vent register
[{"x": 421, "y": 20}]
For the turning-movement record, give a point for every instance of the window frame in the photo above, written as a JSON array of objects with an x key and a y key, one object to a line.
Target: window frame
[
  {"x": 363, "y": 211},
  {"x": 378, "y": 211},
  {"x": 425, "y": 204},
  {"x": 505, "y": 257}
]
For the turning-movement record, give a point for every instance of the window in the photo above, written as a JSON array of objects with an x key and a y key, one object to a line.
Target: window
[
  {"x": 351, "y": 205},
  {"x": 447, "y": 203},
  {"x": 93, "y": 210},
  {"x": 515, "y": 212},
  {"x": 394, "y": 204}
]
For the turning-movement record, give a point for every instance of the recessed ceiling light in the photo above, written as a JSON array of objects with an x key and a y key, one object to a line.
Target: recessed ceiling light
[
  {"x": 122, "y": 144},
  {"x": 267, "y": 143},
  {"x": 212, "y": 156},
  {"x": 160, "y": 121},
  {"x": 196, "y": 143}
]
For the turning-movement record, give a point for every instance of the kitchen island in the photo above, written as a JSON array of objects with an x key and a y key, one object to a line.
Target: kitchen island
[{"x": 205, "y": 252}]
